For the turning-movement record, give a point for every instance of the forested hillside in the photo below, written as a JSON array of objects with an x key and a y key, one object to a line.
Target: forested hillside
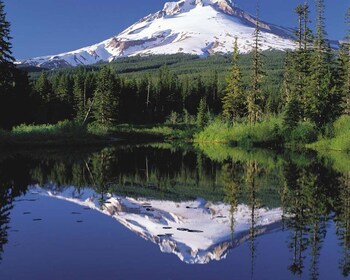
[{"x": 147, "y": 89}]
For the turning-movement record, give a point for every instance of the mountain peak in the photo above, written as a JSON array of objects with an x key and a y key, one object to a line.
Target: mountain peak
[
  {"x": 173, "y": 8},
  {"x": 198, "y": 27}
]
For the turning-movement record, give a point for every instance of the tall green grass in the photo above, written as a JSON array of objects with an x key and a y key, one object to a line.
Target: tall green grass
[
  {"x": 63, "y": 133},
  {"x": 267, "y": 131},
  {"x": 63, "y": 128}
]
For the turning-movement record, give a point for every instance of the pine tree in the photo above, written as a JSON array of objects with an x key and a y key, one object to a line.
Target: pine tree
[
  {"x": 202, "y": 113},
  {"x": 79, "y": 97},
  {"x": 323, "y": 96},
  {"x": 233, "y": 103},
  {"x": 255, "y": 100},
  {"x": 292, "y": 113},
  {"x": 344, "y": 57},
  {"x": 106, "y": 98},
  {"x": 296, "y": 71},
  {"x": 43, "y": 87},
  {"x": 6, "y": 70},
  {"x": 63, "y": 89},
  {"x": 6, "y": 59}
]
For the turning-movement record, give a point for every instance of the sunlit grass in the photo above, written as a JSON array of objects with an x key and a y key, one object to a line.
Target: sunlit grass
[{"x": 267, "y": 131}]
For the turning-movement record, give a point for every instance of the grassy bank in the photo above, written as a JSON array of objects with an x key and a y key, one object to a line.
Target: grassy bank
[
  {"x": 272, "y": 133},
  {"x": 160, "y": 132},
  {"x": 65, "y": 133},
  {"x": 69, "y": 133}
]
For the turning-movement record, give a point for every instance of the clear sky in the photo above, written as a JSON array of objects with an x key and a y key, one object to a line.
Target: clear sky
[{"x": 45, "y": 27}]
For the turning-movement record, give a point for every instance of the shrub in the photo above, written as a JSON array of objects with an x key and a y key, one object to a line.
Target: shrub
[
  {"x": 340, "y": 137},
  {"x": 303, "y": 133}
]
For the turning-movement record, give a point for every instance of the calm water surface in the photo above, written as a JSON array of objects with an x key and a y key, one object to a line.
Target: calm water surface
[{"x": 159, "y": 212}]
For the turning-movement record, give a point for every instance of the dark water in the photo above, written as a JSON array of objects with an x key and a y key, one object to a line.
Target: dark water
[{"x": 159, "y": 212}]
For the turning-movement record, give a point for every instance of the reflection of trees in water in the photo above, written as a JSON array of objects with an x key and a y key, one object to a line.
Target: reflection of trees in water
[
  {"x": 308, "y": 200},
  {"x": 138, "y": 171},
  {"x": 251, "y": 174},
  {"x": 99, "y": 168},
  {"x": 5, "y": 207},
  {"x": 232, "y": 182},
  {"x": 295, "y": 206},
  {"x": 343, "y": 223},
  {"x": 14, "y": 178}
]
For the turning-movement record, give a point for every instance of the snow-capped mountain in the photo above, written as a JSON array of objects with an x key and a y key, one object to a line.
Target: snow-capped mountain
[
  {"x": 200, "y": 27},
  {"x": 196, "y": 231}
]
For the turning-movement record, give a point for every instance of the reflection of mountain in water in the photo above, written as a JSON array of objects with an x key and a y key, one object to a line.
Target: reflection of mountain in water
[{"x": 196, "y": 231}]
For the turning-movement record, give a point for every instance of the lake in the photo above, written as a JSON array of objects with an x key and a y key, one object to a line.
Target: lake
[{"x": 157, "y": 211}]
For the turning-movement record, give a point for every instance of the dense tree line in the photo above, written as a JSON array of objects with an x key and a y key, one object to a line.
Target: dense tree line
[{"x": 107, "y": 98}]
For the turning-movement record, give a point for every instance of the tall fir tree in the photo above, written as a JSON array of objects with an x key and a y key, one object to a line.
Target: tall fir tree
[
  {"x": 296, "y": 70},
  {"x": 233, "y": 102},
  {"x": 79, "y": 95},
  {"x": 255, "y": 100},
  {"x": 106, "y": 98},
  {"x": 6, "y": 58},
  {"x": 323, "y": 97},
  {"x": 344, "y": 57},
  {"x": 202, "y": 113},
  {"x": 6, "y": 69},
  {"x": 43, "y": 88}
]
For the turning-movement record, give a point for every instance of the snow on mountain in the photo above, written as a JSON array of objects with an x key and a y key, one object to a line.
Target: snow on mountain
[
  {"x": 196, "y": 231},
  {"x": 199, "y": 27}
]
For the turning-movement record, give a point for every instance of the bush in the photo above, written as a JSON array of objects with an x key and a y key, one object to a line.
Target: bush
[
  {"x": 216, "y": 131},
  {"x": 340, "y": 137},
  {"x": 304, "y": 133}
]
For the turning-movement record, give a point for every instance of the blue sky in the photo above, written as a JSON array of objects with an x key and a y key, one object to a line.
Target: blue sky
[{"x": 44, "y": 27}]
